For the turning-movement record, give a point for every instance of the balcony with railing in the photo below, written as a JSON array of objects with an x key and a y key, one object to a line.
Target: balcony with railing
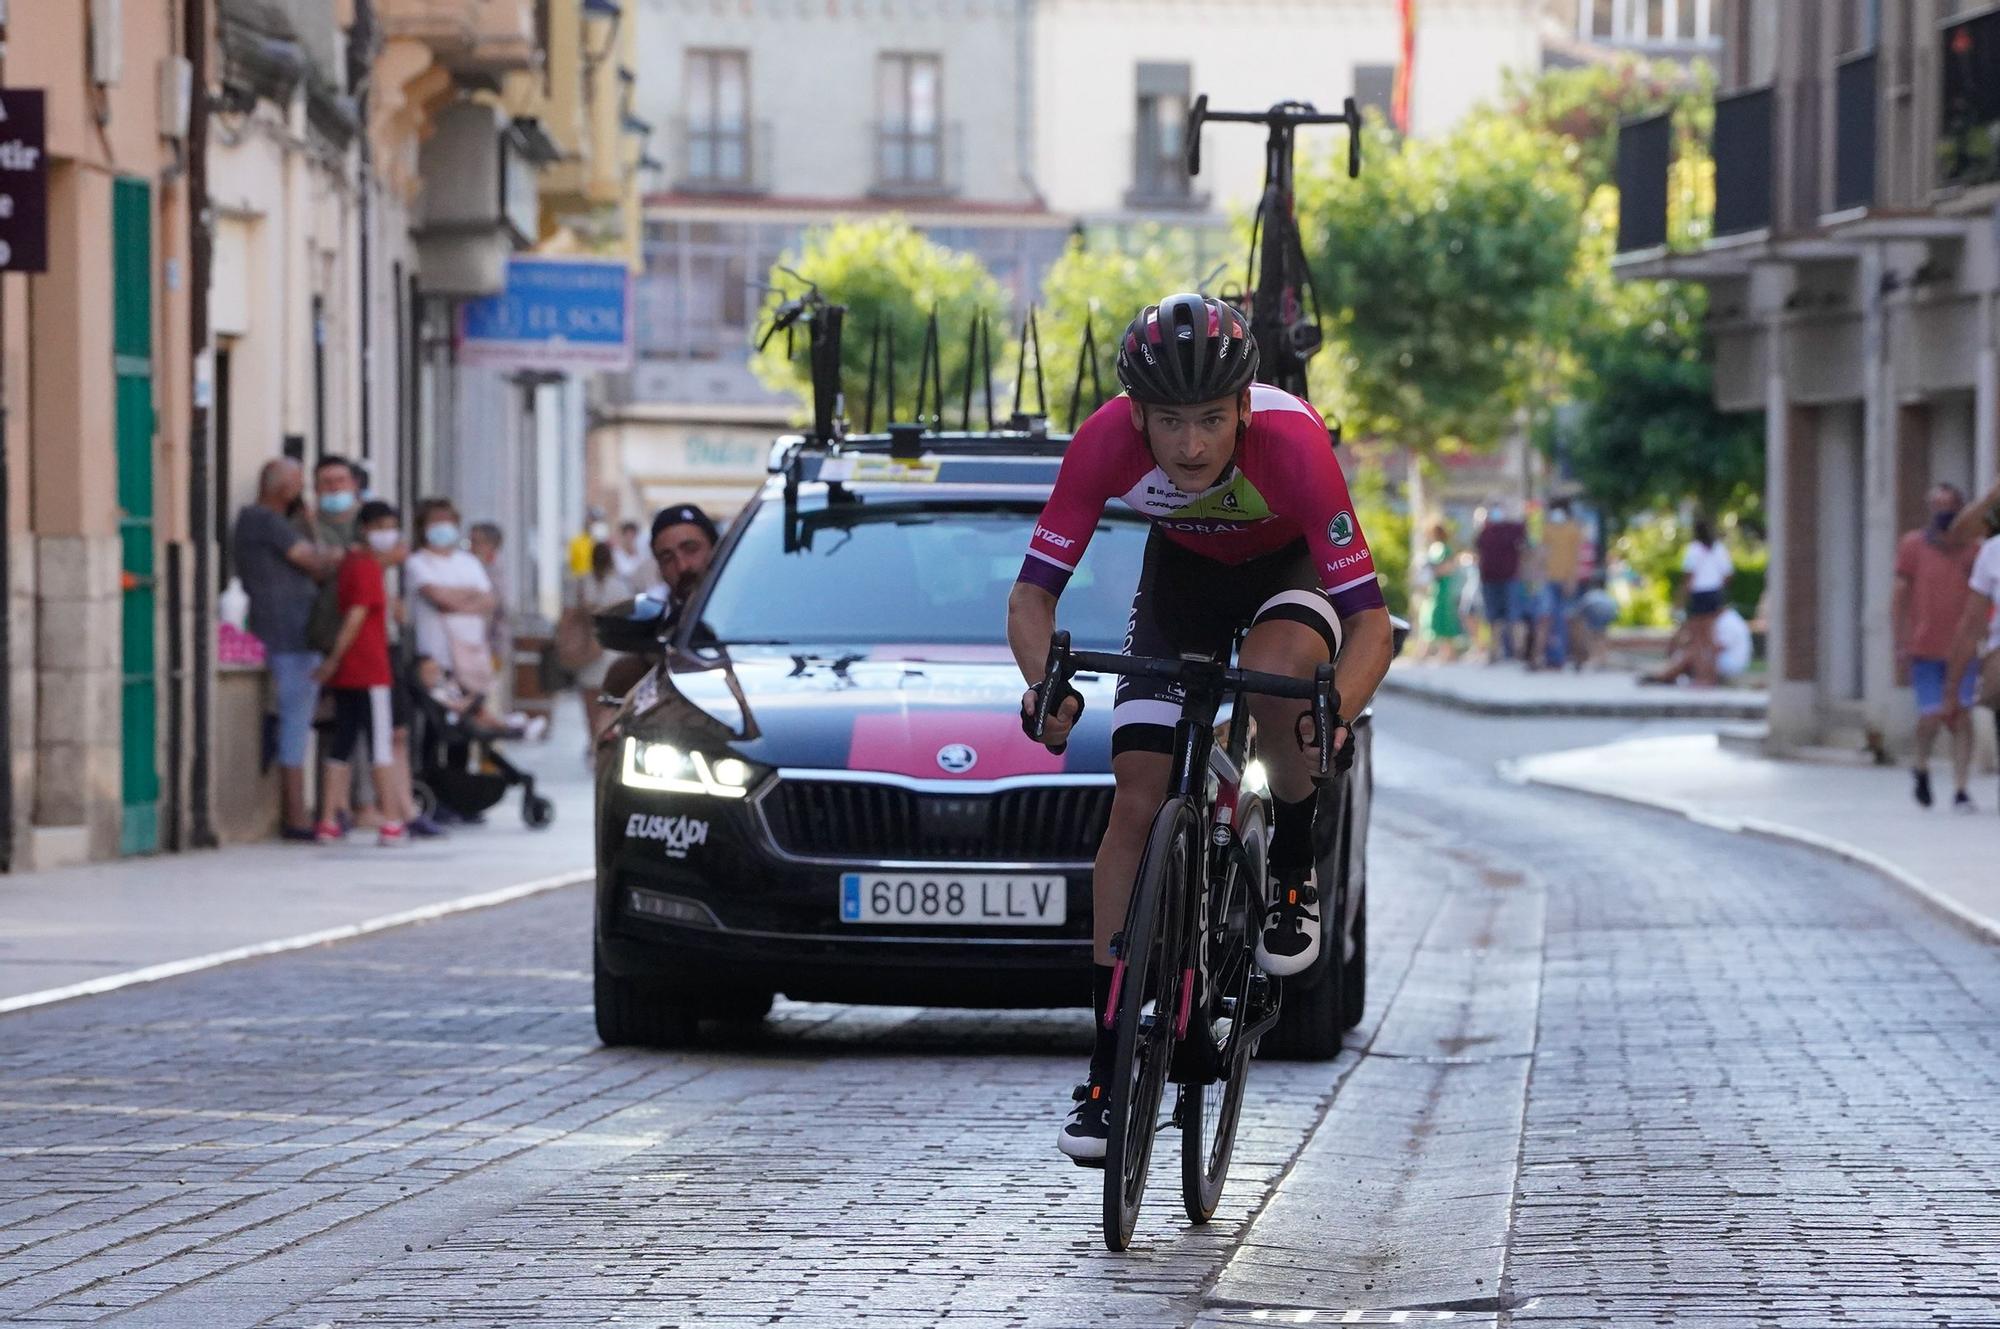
[
  {"x": 1744, "y": 177},
  {"x": 1854, "y": 132},
  {"x": 1645, "y": 149},
  {"x": 1969, "y": 89},
  {"x": 721, "y": 159},
  {"x": 472, "y": 37},
  {"x": 915, "y": 162}
]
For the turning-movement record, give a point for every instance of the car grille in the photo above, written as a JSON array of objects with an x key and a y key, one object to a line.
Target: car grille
[{"x": 849, "y": 820}]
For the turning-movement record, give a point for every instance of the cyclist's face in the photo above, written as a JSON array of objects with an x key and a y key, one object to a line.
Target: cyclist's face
[{"x": 1192, "y": 444}]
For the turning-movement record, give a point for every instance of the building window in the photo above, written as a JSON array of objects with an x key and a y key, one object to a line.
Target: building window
[
  {"x": 1159, "y": 146},
  {"x": 716, "y": 145},
  {"x": 909, "y": 139}
]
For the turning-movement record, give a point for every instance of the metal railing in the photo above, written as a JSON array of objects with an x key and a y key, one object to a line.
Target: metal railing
[
  {"x": 916, "y": 162},
  {"x": 724, "y": 159},
  {"x": 1854, "y": 132},
  {"x": 1645, "y": 149},
  {"x": 1969, "y": 94},
  {"x": 1744, "y": 178}
]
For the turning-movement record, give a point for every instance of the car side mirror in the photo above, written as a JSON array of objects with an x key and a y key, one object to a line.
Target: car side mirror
[
  {"x": 636, "y": 626},
  {"x": 1399, "y": 632}
]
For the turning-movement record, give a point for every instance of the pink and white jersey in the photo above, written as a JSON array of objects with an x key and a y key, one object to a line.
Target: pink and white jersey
[{"x": 1285, "y": 485}]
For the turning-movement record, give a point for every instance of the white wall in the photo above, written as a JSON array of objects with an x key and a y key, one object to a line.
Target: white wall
[
  {"x": 1840, "y": 553},
  {"x": 812, "y": 83},
  {"x": 1247, "y": 54}
]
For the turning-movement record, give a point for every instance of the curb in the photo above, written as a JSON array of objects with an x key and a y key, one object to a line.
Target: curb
[
  {"x": 1613, "y": 710},
  {"x": 1981, "y": 927},
  {"x": 323, "y": 937}
]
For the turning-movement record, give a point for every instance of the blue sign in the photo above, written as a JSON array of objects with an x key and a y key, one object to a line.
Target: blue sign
[{"x": 556, "y": 314}]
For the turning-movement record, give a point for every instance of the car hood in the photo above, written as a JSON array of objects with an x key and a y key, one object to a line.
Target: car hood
[{"x": 924, "y": 712}]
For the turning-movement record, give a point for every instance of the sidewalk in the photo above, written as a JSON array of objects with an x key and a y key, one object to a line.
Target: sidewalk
[
  {"x": 72, "y": 930},
  {"x": 1863, "y": 813},
  {"x": 1508, "y": 689}
]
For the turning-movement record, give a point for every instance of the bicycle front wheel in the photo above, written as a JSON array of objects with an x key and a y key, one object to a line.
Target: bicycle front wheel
[
  {"x": 1223, "y": 1014},
  {"x": 1145, "y": 1006}
]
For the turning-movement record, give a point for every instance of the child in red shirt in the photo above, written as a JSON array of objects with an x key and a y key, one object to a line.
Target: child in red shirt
[{"x": 358, "y": 676}]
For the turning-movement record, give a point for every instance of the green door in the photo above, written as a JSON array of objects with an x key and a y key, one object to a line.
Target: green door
[{"x": 132, "y": 349}]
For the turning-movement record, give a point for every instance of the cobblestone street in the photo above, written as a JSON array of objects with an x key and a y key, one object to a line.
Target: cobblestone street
[{"x": 1617, "y": 1069}]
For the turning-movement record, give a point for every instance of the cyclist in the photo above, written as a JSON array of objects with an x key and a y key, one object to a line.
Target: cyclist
[{"x": 1251, "y": 525}]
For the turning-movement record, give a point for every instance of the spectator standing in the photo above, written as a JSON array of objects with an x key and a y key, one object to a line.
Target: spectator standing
[
  {"x": 1500, "y": 544},
  {"x": 594, "y": 594},
  {"x": 633, "y": 561},
  {"x": 357, "y": 673},
  {"x": 1562, "y": 567},
  {"x": 1442, "y": 629},
  {"x": 582, "y": 546},
  {"x": 451, "y": 598},
  {"x": 280, "y": 569},
  {"x": 1933, "y": 572},
  {"x": 1978, "y": 634},
  {"x": 486, "y": 542},
  {"x": 1706, "y": 568}
]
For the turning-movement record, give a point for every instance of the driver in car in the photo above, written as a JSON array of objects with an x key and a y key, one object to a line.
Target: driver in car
[{"x": 1252, "y": 526}]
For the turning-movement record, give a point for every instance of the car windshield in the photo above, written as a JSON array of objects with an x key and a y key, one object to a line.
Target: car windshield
[{"x": 880, "y": 573}]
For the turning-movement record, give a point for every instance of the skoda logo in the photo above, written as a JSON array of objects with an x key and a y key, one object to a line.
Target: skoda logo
[{"x": 956, "y": 758}]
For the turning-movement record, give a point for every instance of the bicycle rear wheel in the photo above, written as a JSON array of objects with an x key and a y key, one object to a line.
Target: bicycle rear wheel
[
  {"x": 1209, "y": 1112},
  {"x": 1145, "y": 1005}
]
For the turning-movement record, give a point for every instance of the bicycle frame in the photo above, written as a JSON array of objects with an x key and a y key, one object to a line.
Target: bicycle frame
[{"x": 1283, "y": 308}]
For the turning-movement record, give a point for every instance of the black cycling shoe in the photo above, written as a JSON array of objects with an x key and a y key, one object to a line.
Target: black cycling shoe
[
  {"x": 1289, "y": 941},
  {"x": 1085, "y": 1134}
]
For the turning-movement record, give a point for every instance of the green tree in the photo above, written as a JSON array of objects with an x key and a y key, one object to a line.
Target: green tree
[
  {"x": 1102, "y": 288},
  {"x": 1583, "y": 106},
  {"x": 890, "y": 276},
  {"x": 1439, "y": 269}
]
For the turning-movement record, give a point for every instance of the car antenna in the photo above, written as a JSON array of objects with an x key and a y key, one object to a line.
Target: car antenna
[
  {"x": 937, "y": 373},
  {"x": 986, "y": 363},
  {"x": 889, "y": 392},
  {"x": 1086, "y": 355},
  {"x": 925, "y": 359},
  {"x": 1030, "y": 332}
]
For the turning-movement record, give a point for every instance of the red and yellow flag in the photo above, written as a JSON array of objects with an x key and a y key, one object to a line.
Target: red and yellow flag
[{"x": 1406, "y": 67}]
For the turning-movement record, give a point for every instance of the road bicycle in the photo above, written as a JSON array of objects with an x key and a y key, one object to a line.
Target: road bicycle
[{"x": 1188, "y": 1002}]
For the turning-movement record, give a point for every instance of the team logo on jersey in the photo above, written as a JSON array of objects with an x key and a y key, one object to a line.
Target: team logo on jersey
[
  {"x": 1341, "y": 529},
  {"x": 1229, "y": 501}
]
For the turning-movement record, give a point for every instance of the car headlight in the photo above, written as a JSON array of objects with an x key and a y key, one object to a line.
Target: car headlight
[
  {"x": 668, "y": 769},
  {"x": 1256, "y": 779}
]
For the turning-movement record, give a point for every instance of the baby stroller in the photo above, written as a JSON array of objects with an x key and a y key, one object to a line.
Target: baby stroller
[{"x": 458, "y": 764}]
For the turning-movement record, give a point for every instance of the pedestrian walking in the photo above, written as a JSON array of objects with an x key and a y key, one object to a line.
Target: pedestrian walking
[
  {"x": 1444, "y": 634},
  {"x": 1706, "y": 568},
  {"x": 1933, "y": 575},
  {"x": 583, "y": 545},
  {"x": 1978, "y": 636},
  {"x": 1501, "y": 543},
  {"x": 357, "y": 673},
  {"x": 280, "y": 568}
]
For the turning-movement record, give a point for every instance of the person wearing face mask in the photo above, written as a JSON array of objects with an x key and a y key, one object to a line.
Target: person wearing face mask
[
  {"x": 1933, "y": 567},
  {"x": 451, "y": 598},
  {"x": 357, "y": 674}
]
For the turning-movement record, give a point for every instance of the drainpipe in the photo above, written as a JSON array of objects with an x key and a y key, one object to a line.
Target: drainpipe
[{"x": 201, "y": 487}]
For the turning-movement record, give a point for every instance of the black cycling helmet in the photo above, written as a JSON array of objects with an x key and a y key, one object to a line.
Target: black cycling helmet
[{"x": 1185, "y": 350}]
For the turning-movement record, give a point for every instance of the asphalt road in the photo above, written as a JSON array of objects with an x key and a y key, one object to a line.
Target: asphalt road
[{"x": 1617, "y": 1069}]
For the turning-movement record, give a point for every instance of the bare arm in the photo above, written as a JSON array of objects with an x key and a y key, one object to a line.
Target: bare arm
[
  {"x": 307, "y": 558},
  {"x": 1899, "y": 618},
  {"x": 458, "y": 599},
  {"x": 350, "y": 628},
  {"x": 1031, "y": 623},
  {"x": 1368, "y": 645},
  {"x": 1971, "y": 627},
  {"x": 1971, "y": 519}
]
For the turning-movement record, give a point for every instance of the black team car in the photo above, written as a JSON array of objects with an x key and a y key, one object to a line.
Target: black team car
[{"x": 822, "y": 789}]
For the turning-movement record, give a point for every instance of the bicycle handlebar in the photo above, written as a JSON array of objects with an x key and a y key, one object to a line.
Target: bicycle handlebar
[
  {"x": 1283, "y": 115},
  {"x": 1063, "y": 664}
]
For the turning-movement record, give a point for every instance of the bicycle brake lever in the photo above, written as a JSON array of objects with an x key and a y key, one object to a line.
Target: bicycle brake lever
[
  {"x": 1353, "y": 116},
  {"x": 1324, "y": 711}
]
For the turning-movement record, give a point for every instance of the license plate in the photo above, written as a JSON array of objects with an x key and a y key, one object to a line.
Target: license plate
[{"x": 974, "y": 901}]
